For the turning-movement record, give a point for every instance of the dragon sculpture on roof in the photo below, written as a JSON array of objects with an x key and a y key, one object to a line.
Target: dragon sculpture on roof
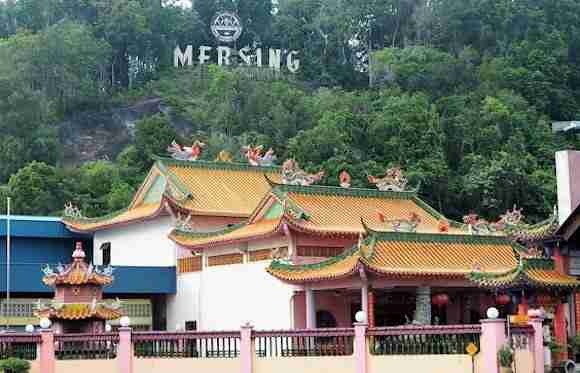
[
  {"x": 393, "y": 181},
  {"x": 292, "y": 174},
  {"x": 256, "y": 158}
]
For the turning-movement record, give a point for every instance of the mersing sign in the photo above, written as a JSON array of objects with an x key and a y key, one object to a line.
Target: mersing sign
[{"x": 227, "y": 27}]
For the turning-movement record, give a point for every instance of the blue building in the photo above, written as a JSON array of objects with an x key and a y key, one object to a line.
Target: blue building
[{"x": 37, "y": 241}]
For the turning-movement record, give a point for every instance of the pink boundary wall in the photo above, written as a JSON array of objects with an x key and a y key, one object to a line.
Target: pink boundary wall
[{"x": 492, "y": 337}]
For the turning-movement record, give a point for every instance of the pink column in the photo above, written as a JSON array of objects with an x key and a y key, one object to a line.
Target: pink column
[
  {"x": 47, "y": 360},
  {"x": 125, "y": 351},
  {"x": 492, "y": 338},
  {"x": 360, "y": 347},
  {"x": 246, "y": 350},
  {"x": 538, "y": 342}
]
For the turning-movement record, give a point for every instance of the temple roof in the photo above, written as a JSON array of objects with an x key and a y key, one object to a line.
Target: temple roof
[
  {"x": 77, "y": 273},
  {"x": 195, "y": 187},
  {"x": 324, "y": 210},
  {"x": 402, "y": 255},
  {"x": 529, "y": 273},
  {"x": 80, "y": 311}
]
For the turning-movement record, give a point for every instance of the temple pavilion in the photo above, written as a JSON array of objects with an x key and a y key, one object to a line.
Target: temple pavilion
[
  {"x": 259, "y": 243},
  {"x": 77, "y": 306}
]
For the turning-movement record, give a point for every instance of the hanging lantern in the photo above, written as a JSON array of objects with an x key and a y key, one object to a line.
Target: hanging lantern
[
  {"x": 440, "y": 300},
  {"x": 435, "y": 300},
  {"x": 443, "y": 299},
  {"x": 503, "y": 299}
]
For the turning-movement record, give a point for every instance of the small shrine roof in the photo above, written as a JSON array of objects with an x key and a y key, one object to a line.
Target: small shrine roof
[
  {"x": 80, "y": 311},
  {"x": 196, "y": 187},
  {"x": 408, "y": 255},
  {"x": 77, "y": 273},
  {"x": 529, "y": 273}
]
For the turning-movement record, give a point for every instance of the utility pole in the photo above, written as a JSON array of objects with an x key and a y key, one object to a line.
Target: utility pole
[{"x": 7, "y": 305}]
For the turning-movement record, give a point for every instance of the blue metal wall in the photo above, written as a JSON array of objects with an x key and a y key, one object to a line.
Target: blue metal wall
[{"x": 36, "y": 241}]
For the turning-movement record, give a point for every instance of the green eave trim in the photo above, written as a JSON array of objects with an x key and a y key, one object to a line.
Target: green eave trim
[
  {"x": 218, "y": 165},
  {"x": 278, "y": 265},
  {"x": 97, "y": 219},
  {"x": 443, "y": 237},
  {"x": 186, "y": 234}
]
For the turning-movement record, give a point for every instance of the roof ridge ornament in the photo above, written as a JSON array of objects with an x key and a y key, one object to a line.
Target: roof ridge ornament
[
  {"x": 255, "y": 156},
  {"x": 344, "y": 179},
  {"x": 401, "y": 225},
  {"x": 184, "y": 153},
  {"x": 292, "y": 174},
  {"x": 71, "y": 211},
  {"x": 394, "y": 180}
]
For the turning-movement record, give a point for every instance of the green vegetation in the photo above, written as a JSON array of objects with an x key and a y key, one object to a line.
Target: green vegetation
[
  {"x": 14, "y": 365},
  {"x": 462, "y": 94}
]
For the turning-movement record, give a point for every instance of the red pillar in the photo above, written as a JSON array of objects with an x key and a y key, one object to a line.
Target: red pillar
[
  {"x": 371, "y": 309},
  {"x": 560, "y": 335}
]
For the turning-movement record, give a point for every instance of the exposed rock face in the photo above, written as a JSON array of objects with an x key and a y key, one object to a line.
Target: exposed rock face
[{"x": 102, "y": 135}]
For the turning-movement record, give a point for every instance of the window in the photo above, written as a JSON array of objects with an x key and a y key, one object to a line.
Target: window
[
  {"x": 191, "y": 325},
  {"x": 106, "y": 253}
]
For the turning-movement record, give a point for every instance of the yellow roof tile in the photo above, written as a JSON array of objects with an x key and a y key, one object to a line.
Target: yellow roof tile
[
  {"x": 223, "y": 191},
  {"x": 139, "y": 213},
  {"x": 408, "y": 255},
  {"x": 80, "y": 311},
  {"x": 446, "y": 258}
]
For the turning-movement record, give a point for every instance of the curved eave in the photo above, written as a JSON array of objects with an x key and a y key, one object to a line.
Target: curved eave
[
  {"x": 331, "y": 276},
  {"x": 73, "y": 225},
  {"x": 341, "y": 233},
  {"x": 215, "y": 239}
]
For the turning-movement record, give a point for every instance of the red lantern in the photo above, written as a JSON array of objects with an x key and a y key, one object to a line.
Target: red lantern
[
  {"x": 503, "y": 299},
  {"x": 435, "y": 300},
  {"x": 443, "y": 299},
  {"x": 440, "y": 300}
]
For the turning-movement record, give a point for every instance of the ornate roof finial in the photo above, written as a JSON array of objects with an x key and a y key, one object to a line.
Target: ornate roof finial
[
  {"x": 79, "y": 253},
  {"x": 224, "y": 156},
  {"x": 71, "y": 211},
  {"x": 292, "y": 174},
  {"x": 393, "y": 181},
  {"x": 256, "y": 158},
  {"x": 401, "y": 225},
  {"x": 184, "y": 153},
  {"x": 344, "y": 179}
]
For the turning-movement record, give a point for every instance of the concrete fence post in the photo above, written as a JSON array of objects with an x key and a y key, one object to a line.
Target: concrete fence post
[
  {"x": 492, "y": 338},
  {"x": 538, "y": 343},
  {"x": 47, "y": 359},
  {"x": 125, "y": 351},
  {"x": 246, "y": 349},
  {"x": 360, "y": 347}
]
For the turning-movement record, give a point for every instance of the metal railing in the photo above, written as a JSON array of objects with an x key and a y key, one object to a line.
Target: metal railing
[
  {"x": 521, "y": 337},
  {"x": 423, "y": 340},
  {"x": 86, "y": 346},
  {"x": 21, "y": 346},
  {"x": 186, "y": 344},
  {"x": 309, "y": 342}
]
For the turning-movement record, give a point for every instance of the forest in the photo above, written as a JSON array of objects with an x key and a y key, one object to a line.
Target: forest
[{"x": 459, "y": 93}]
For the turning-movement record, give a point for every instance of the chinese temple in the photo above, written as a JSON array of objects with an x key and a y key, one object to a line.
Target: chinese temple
[
  {"x": 260, "y": 243},
  {"x": 78, "y": 306}
]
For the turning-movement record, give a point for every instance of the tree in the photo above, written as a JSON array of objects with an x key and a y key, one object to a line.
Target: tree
[{"x": 36, "y": 190}]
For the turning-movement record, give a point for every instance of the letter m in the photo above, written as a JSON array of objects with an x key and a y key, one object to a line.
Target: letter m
[{"x": 185, "y": 59}]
